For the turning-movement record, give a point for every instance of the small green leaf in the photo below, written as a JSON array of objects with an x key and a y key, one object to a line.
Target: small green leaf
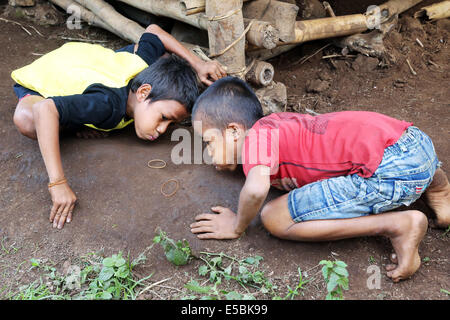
[
  {"x": 341, "y": 271},
  {"x": 106, "y": 295},
  {"x": 108, "y": 262},
  {"x": 227, "y": 270},
  {"x": 216, "y": 261},
  {"x": 341, "y": 264},
  {"x": 203, "y": 270},
  {"x": 332, "y": 282},
  {"x": 120, "y": 262},
  {"x": 243, "y": 270},
  {"x": 196, "y": 287},
  {"x": 106, "y": 273}
]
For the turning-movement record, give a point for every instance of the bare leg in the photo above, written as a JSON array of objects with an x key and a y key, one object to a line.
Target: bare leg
[
  {"x": 23, "y": 116},
  {"x": 405, "y": 229},
  {"x": 438, "y": 198}
]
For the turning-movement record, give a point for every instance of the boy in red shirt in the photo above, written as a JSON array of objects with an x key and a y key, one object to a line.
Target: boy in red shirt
[{"x": 341, "y": 169}]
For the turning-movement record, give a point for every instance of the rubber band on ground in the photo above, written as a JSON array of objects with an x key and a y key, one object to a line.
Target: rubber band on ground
[
  {"x": 149, "y": 164},
  {"x": 177, "y": 186}
]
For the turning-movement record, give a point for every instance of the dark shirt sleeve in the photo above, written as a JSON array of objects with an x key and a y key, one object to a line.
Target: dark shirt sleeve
[
  {"x": 150, "y": 48},
  {"x": 99, "y": 105}
]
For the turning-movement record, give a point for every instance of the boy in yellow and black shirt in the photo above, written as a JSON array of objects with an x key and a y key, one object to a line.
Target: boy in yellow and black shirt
[{"x": 87, "y": 85}]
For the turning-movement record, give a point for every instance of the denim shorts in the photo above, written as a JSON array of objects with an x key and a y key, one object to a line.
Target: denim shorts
[{"x": 406, "y": 170}]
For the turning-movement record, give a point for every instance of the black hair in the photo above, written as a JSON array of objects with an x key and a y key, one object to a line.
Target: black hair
[
  {"x": 171, "y": 78},
  {"x": 228, "y": 100}
]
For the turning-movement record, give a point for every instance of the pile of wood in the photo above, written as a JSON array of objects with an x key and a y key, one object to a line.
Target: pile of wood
[{"x": 242, "y": 34}]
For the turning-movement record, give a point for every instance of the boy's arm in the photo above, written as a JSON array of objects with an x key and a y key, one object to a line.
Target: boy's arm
[
  {"x": 46, "y": 119},
  {"x": 205, "y": 70},
  {"x": 226, "y": 224}
]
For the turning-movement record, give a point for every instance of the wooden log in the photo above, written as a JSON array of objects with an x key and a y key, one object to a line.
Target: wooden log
[
  {"x": 435, "y": 11},
  {"x": 175, "y": 9},
  {"x": 86, "y": 15},
  {"x": 130, "y": 30},
  {"x": 281, "y": 15},
  {"x": 260, "y": 73},
  {"x": 225, "y": 27}
]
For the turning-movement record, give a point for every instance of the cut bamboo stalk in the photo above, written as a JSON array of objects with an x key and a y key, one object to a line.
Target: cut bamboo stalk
[
  {"x": 225, "y": 27},
  {"x": 262, "y": 34},
  {"x": 260, "y": 73},
  {"x": 130, "y": 30},
  {"x": 436, "y": 11},
  {"x": 281, "y": 15}
]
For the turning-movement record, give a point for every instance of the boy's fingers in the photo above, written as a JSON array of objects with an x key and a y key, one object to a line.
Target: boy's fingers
[
  {"x": 201, "y": 223},
  {"x": 58, "y": 215},
  {"x": 204, "y": 216},
  {"x": 201, "y": 229},
  {"x": 218, "y": 209},
  {"x": 207, "y": 82},
  {"x": 53, "y": 211},
  {"x": 63, "y": 217},
  {"x": 69, "y": 216}
]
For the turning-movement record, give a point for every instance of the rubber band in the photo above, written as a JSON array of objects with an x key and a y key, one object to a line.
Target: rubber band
[
  {"x": 156, "y": 167},
  {"x": 58, "y": 182},
  {"x": 174, "y": 191}
]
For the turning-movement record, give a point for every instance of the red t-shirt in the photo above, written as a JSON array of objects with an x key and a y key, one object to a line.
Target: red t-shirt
[{"x": 306, "y": 149}]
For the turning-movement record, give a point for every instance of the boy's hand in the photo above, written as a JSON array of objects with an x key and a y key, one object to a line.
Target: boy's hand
[
  {"x": 208, "y": 70},
  {"x": 63, "y": 200},
  {"x": 216, "y": 226}
]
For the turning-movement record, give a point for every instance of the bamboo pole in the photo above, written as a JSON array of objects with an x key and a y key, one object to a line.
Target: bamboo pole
[
  {"x": 85, "y": 14},
  {"x": 435, "y": 11},
  {"x": 130, "y": 30},
  {"x": 225, "y": 33}
]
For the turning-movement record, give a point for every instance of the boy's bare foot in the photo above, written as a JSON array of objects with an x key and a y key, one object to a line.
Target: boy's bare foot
[
  {"x": 409, "y": 231},
  {"x": 438, "y": 198},
  {"x": 91, "y": 134}
]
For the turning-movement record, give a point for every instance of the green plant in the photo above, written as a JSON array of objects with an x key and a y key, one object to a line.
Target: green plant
[
  {"x": 336, "y": 278},
  {"x": 220, "y": 266},
  {"x": 97, "y": 278},
  {"x": 295, "y": 292},
  {"x": 177, "y": 252},
  {"x": 114, "y": 281}
]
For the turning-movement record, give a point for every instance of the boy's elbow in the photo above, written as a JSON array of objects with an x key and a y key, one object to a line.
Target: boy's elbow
[{"x": 256, "y": 192}]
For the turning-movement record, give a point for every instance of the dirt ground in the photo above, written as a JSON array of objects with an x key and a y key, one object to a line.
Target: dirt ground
[{"x": 120, "y": 205}]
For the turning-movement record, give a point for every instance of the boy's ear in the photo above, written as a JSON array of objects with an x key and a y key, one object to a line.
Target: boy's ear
[
  {"x": 143, "y": 91},
  {"x": 236, "y": 129}
]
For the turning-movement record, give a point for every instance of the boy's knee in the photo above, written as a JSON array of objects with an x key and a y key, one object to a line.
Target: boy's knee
[
  {"x": 23, "y": 120},
  {"x": 153, "y": 28},
  {"x": 271, "y": 221}
]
